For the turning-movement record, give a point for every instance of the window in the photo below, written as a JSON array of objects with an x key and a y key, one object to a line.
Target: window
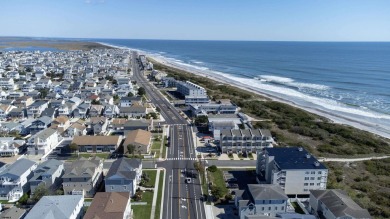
[
  {"x": 269, "y": 208},
  {"x": 125, "y": 187},
  {"x": 318, "y": 178},
  {"x": 276, "y": 208},
  {"x": 112, "y": 187},
  {"x": 311, "y": 184},
  {"x": 313, "y": 172},
  {"x": 262, "y": 208},
  {"x": 312, "y": 178},
  {"x": 306, "y": 178},
  {"x": 306, "y": 184},
  {"x": 282, "y": 208},
  {"x": 305, "y": 190},
  {"x": 319, "y": 172},
  {"x": 307, "y": 172},
  {"x": 318, "y": 184}
]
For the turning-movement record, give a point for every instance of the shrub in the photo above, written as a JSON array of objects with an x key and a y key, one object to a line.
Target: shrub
[{"x": 212, "y": 168}]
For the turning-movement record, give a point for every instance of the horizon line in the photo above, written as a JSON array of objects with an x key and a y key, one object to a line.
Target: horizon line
[{"x": 219, "y": 40}]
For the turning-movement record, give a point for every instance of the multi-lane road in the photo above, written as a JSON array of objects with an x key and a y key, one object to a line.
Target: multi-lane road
[{"x": 181, "y": 199}]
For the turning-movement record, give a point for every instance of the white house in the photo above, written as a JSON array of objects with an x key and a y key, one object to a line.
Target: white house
[
  {"x": 14, "y": 179},
  {"x": 7, "y": 83},
  {"x": 43, "y": 142},
  {"x": 10, "y": 147}
]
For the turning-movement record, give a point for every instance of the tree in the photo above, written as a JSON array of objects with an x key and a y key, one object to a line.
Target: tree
[
  {"x": 130, "y": 94},
  {"x": 23, "y": 200},
  {"x": 216, "y": 192},
  {"x": 131, "y": 149},
  {"x": 201, "y": 121},
  {"x": 73, "y": 147},
  {"x": 39, "y": 192},
  {"x": 158, "y": 109},
  {"x": 43, "y": 92},
  {"x": 141, "y": 91},
  {"x": 212, "y": 168}
]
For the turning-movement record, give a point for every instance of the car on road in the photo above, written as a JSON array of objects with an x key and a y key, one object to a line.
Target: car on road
[{"x": 188, "y": 180}]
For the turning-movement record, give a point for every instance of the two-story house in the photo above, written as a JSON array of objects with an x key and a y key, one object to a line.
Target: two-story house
[
  {"x": 97, "y": 125},
  {"x": 5, "y": 109},
  {"x": 261, "y": 200},
  {"x": 76, "y": 129},
  {"x": 245, "y": 140},
  {"x": 111, "y": 111},
  {"x": 83, "y": 177},
  {"x": 14, "y": 179},
  {"x": 97, "y": 144},
  {"x": 124, "y": 175},
  {"x": 40, "y": 124},
  {"x": 82, "y": 110},
  {"x": 96, "y": 110},
  {"x": 133, "y": 111},
  {"x": 60, "y": 123},
  {"x": 47, "y": 174},
  {"x": 110, "y": 205},
  {"x": 129, "y": 101},
  {"x": 35, "y": 109}
]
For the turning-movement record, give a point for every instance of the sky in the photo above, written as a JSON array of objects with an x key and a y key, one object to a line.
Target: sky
[{"x": 268, "y": 20}]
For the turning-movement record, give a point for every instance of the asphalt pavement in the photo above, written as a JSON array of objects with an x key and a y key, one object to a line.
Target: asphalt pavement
[{"x": 181, "y": 199}]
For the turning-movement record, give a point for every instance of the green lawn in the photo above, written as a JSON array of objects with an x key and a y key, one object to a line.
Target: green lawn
[
  {"x": 152, "y": 175},
  {"x": 143, "y": 211},
  {"x": 159, "y": 195},
  {"x": 156, "y": 144},
  {"x": 218, "y": 180}
]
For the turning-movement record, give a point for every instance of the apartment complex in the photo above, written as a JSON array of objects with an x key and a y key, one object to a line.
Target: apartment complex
[
  {"x": 293, "y": 168},
  {"x": 245, "y": 140},
  {"x": 193, "y": 93}
]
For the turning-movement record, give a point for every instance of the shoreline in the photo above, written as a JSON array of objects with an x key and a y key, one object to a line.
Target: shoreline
[{"x": 332, "y": 116}]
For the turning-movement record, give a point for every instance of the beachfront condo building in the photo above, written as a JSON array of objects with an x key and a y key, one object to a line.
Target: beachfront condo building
[
  {"x": 245, "y": 140},
  {"x": 293, "y": 168},
  {"x": 193, "y": 93}
]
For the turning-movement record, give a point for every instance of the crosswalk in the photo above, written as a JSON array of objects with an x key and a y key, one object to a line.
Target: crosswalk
[{"x": 181, "y": 158}]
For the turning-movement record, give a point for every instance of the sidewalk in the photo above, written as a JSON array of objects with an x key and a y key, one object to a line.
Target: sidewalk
[{"x": 156, "y": 184}]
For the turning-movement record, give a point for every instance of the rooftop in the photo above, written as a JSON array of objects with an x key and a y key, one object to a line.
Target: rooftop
[
  {"x": 294, "y": 158},
  {"x": 108, "y": 205}
]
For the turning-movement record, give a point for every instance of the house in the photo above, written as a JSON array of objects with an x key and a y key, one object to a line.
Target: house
[
  {"x": 17, "y": 113},
  {"x": 47, "y": 174},
  {"x": 109, "y": 205},
  {"x": 83, "y": 177},
  {"x": 97, "y": 125},
  {"x": 50, "y": 112},
  {"x": 140, "y": 139},
  {"x": 111, "y": 111},
  {"x": 28, "y": 87},
  {"x": 35, "y": 109},
  {"x": 96, "y": 110},
  {"x": 97, "y": 144},
  {"x": 129, "y": 101},
  {"x": 7, "y": 83},
  {"x": 82, "y": 110},
  {"x": 133, "y": 111},
  {"x": 58, "y": 207},
  {"x": 40, "y": 124},
  {"x": 245, "y": 140},
  {"x": 9, "y": 146},
  {"x": 76, "y": 129},
  {"x": 117, "y": 124},
  {"x": 13, "y": 213},
  {"x": 132, "y": 125},
  {"x": 65, "y": 109},
  {"x": 24, "y": 101},
  {"x": 14, "y": 179},
  {"x": 293, "y": 168},
  {"x": 335, "y": 204},
  {"x": 5, "y": 110},
  {"x": 261, "y": 200},
  {"x": 57, "y": 103},
  {"x": 60, "y": 123},
  {"x": 43, "y": 142},
  {"x": 124, "y": 175}
]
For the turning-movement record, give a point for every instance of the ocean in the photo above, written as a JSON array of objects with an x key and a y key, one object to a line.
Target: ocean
[
  {"x": 346, "y": 79},
  {"x": 350, "y": 80}
]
